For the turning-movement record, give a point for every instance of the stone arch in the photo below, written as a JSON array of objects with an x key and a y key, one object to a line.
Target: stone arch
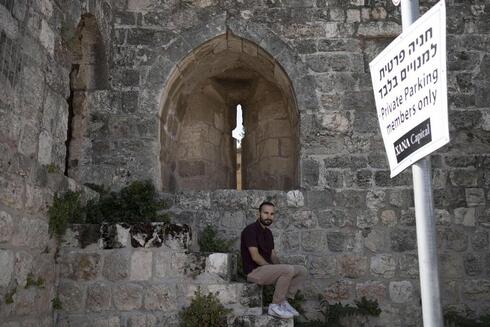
[
  {"x": 196, "y": 119},
  {"x": 89, "y": 74}
]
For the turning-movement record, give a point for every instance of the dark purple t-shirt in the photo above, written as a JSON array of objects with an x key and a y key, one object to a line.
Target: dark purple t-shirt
[{"x": 255, "y": 236}]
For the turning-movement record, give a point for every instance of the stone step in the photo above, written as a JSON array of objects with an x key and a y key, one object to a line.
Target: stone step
[{"x": 263, "y": 320}]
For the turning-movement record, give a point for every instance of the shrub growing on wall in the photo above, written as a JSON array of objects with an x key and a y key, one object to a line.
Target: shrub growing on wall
[
  {"x": 137, "y": 202},
  {"x": 204, "y": 311}
]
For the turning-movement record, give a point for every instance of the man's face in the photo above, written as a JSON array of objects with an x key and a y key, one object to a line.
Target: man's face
[{"x": 266, "y": 215}]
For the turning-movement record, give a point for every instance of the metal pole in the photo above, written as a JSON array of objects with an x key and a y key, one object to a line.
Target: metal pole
[{"x": 424, "y": 215}]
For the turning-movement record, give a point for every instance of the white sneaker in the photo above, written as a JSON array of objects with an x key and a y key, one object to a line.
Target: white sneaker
[
  {"x": 290, "y": 308},
  {"x": 279, "y": 311}
]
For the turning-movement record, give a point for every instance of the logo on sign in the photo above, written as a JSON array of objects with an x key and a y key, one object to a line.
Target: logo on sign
[{"x": 413, "y": 140}]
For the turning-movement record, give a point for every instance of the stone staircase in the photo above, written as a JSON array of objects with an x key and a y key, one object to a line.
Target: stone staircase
[{"x": 143, "y": 275}]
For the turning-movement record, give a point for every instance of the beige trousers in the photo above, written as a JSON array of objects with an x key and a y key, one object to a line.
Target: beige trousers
[{"x": 288, "y": 279}]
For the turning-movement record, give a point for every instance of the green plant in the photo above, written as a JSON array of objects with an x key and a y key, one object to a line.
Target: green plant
[
  {"x": 33, "y": 281},
  {"x": 138, "y": 202},
  {"x": 9, "y": 297},
  {"x": 332, "y": 313},
  {"x": 210, "y": 242},
  {"x": 204, "y": 311},
  {"x": 453, "y": 318},
  {"x": 52, "y": 168},
  {"x": 56, "y": 302},
  {"x": 64, "y": 209}
]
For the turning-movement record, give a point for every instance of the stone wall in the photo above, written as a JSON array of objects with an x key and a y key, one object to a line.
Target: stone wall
[
  {"x": 357, "y": 243},
  {"x": 143, "y": 275},
  {"x": 34, "y": 86},
  {"x": 350, "y": 223}
]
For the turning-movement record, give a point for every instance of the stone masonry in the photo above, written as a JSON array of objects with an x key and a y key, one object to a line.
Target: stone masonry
[{"x": 110, "y": 91}]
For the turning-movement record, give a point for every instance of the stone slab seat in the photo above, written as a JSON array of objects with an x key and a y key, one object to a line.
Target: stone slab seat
[
  {"x": 260, "y": 321},
  {"x": 176, "y": 237}
]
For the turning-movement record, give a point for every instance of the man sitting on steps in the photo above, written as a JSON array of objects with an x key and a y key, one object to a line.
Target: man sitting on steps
[{"x": 262, "y": 266}]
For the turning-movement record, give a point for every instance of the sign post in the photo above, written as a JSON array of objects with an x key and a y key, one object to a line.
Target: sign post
[
  {"x": 410, "y": 88},
  {"x": 424, "y": 216}
]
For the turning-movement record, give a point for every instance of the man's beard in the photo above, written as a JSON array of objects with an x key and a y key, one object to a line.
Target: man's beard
[{"x": 265, "y": 222}]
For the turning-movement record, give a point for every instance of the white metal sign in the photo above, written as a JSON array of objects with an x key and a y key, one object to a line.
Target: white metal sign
[{"x": 410, "y": 88}]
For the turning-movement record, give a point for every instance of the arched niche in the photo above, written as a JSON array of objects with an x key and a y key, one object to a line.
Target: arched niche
[
  {"x": 89, "y": 74},
  {"x": 198, "y": 115}
]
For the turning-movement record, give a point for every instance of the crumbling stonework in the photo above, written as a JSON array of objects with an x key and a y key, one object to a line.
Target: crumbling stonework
[{"x": 148, "y": 92}]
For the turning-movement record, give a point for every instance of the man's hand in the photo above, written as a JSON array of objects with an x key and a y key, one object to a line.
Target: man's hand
[
  {"x": 275, "y": 258},
  {"x": 256, "y": 257}
]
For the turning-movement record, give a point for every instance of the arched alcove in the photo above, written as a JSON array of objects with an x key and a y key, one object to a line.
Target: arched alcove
[
  {"x": 89, "y": 73},
  {"x": 198, "y": 114}
]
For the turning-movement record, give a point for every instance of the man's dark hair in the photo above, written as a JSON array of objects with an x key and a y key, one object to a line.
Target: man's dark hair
[{"x": 265, "y": 203}]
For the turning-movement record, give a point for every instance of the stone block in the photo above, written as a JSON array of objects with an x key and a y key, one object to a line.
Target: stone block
[
  {"x": 456, "y": 239},
  {"x": 476, "y": 289},
  {"x": 321, "y": 266},
  {"x": 47, "y": 37},
  {"x": 233, "y": 220},
  {"x": 22, "y": 267},
  {"x": 473, "y": 264},
  {"x": 336, "y": 217},
  {"x": 194, "y": 200},
  {"x": 160, "y": 297},
  {"x": 219, "y": 264},
  {"x": 295, "y": 199},
  {"x": 313, "y": 241},
  {"x": 338, "y": 291},
  {"x": 261, "y": 321},
  {"x": 31, "y": 232},
  {"x": 6, "y": 227},
  {"x": 465, "y": 216},
  {"x": 142, "y": 320},
  {"x": 371, "y": 290},
  {"x": 98, "y": 297},
  {"x": 389, "y": 217},
  {"x": 403, "y": 240},
  {"x": 451, "y": 265},
  {"x": 310, "y": 172},
  {"x": 80, "y": 266},
  {"x": 6, "y": 267},
  {"x": 116, "y": 266},
  {"x": 352, "y": 266},
  {"x": 379, "y": 29},
  {"x": 409, "y": 266},
  {"x": 178, "y": 264},
  {"x": 127, "y": 296},
  {"x": 304, "y": 219},
  {"x": 401, "y": 292},
  {"x": 72, "y": 296},
  {"x": 350, "y": 198},
  {"x": 475, "y": 197},
  {"x": 479, "y": 239},
  {"x": 141, "y": 265},
  {"x": 366, "y": 219},
  {"x": 383, "y": 265},
  {"x": 319, "y": 199},
  {"x": 337, "y": 241},
  {"x": 375, "y": 241}
]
